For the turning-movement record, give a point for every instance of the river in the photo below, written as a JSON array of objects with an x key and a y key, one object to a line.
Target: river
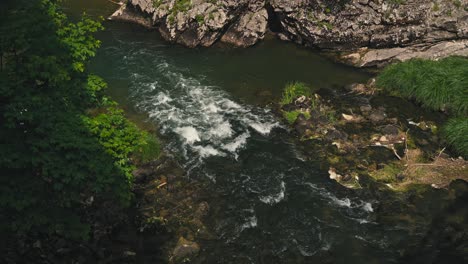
[{"x": 270, "y": 203}]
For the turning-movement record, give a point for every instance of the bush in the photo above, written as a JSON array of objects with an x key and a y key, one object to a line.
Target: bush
[
  {"x": 294, "y": 90},
  {"x": 439, "y": 85},
  {"x": 456, "y": 134}
]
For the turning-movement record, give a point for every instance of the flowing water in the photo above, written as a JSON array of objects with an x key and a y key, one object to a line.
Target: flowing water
[{"x": 270, "y": 204}]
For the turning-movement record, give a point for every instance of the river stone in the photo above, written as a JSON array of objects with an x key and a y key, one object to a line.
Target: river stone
[
  {"x": 336, "y": 135},
  {"x": 390, "y": 130},
  {"x": 185, "y": 249},
  {"x": 202, "y": 210},
  {"x": 377, "y": 116}
]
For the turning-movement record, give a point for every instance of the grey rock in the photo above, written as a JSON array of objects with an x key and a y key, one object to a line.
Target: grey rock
[
  {"x": 185, "y": 249},
  {"x": 368, "y": 33}
]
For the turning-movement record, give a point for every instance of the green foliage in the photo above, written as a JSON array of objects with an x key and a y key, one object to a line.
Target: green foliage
[
  {"x": 181, "y": 6},
  {"x": 148, "y": 150},
  {"x": 200, "y": 19},
  {"x": 293, "y": 91},
  {"x": 436, "y": 84},
  {"x": 291, "y": 116},
  {"x": 53, "y": 155},
  {"x": 456, "y": 134}
]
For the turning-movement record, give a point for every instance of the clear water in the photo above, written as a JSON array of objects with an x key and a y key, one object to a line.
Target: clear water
[{"x": 269, "y": 204}]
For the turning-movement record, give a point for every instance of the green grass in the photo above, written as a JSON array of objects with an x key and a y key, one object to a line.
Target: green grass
[
  {"x": 456, "y": 134},
  {"x": 149, "y": 150},
  {"x": 438, "y": 85},
  {"x": 291, "y": 116},
  {"x": 435, "y": 84},
  {"x": 293, "y": 91}
]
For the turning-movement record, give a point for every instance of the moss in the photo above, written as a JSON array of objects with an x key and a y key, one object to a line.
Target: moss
[
  {"x": 291, "y": 116},
  {"x": 388, "y": 173},
  {"x": 200, "y": 19}
]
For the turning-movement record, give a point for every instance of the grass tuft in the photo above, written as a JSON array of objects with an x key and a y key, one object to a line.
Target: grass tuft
[
  {"x": 439, "y": 85},
  {"x": 456, "y": 134},
  {"x": 293, "y": 91},
  {"x": 291, "y": 116}
]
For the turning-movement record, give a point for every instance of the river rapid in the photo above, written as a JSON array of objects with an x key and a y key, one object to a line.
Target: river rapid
[{"x": 269, "y": 202}]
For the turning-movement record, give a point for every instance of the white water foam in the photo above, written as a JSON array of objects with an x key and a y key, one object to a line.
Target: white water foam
[
  {"x": 251, "y": 223},
  {"x": 345, "y": 202},
  {"x": 205, "y": 119},
  {"x": 190, "y": 134},
  {"x": 276, "y": 198}
]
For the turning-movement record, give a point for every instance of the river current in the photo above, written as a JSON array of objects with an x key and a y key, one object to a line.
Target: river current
[{"x": 270, "y": 203}]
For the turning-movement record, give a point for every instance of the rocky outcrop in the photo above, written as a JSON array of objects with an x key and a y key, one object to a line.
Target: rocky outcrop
[
  {"x": 368, "y": 32},
  {"x": 202, "y": 22}
]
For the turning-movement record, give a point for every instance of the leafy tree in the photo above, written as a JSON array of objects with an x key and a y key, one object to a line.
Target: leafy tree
[{"x": 55, "y": 157}]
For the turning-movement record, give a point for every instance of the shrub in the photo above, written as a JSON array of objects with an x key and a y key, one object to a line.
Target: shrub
[{"x": 294, "y": 90}]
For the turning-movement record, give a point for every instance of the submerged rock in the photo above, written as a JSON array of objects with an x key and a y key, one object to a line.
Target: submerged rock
[{"x": 185, "y": 249}]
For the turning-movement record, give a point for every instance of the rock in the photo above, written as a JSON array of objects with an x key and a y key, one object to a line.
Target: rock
[
  {"x": 129, "y": 253},
  {"x": 248, "y": 30},
  {"x": 185, "y": 249},
  {"x": 377, "y": 116},
  {"x": 352, "y": 118},
  {"x": 334, "y": 175},
  {"x": 336, "y": 135},
  {"x": 365, "y": 108},
  {"x": 360, "y": 88},
  {"x": 390, "y": 130},
  {"x": 347, "y": 117},
  {"x": 369, "y": 33},
  {"x": 202, "y": 210},
  {"x": 300, "y": 100},
  {"x": 302, "y": 124}
]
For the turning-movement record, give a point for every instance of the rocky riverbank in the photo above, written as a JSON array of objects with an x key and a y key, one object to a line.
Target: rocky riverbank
[
  {"x": 367, "y": 136},
  {"x": 365, "y": 33}
]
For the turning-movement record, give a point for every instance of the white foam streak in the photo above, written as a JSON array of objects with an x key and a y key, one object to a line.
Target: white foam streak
[
  {"x": 345, "y": 202},
  {"x": 274, "y": 199},
  {"x": 190, "y": 134}
]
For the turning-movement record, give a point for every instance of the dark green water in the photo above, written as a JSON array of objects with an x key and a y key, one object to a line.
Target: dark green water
[{"x": 269, "y": 204}]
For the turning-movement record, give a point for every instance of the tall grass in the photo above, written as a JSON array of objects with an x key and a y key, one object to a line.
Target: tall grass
[
  {"x": 456, "y": 134},
  {"x": 293, "y": 91},
  {"x": 435, "y": 84}
]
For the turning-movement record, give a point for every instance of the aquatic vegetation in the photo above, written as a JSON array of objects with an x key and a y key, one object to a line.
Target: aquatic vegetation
[
  {"x": 439, "y": 85},
  {"x": 293, "y": 91}
]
